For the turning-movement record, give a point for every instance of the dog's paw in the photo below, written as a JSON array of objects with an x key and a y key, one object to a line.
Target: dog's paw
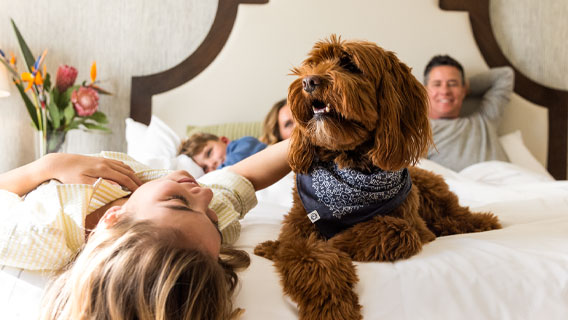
[
  {"x": 319, "y": 278},
  {"x": 465, "y": 223},
  {"x": 267, "y": 249},
  {"x": 400, "y": 241},
  {"x": 381, "y": 239},
  {"x": 485, "y": 222},
  {"x": 344, "y": 310}
]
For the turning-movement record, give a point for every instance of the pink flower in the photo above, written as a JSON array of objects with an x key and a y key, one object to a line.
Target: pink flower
[
  {"x": 85, "y": 100},
  {"x": 65, "y": 77}
]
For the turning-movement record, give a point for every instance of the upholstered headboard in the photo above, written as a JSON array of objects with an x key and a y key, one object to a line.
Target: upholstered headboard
[{"x": 555, "y": 100}]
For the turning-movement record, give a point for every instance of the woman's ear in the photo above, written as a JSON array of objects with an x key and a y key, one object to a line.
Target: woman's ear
[
  {"x": 225, "y": 140},
  {"x": 111, "y": 216}
]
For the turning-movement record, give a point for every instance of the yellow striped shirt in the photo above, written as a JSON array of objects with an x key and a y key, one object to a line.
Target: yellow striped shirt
[{"x": 46, "y": 227}]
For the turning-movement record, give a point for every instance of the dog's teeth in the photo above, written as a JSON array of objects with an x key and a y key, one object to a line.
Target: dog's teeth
[{"x": 327, "y": 108}]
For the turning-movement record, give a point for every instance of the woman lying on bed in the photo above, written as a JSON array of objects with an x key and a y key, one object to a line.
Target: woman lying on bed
[{"x": 153, "y": 254}]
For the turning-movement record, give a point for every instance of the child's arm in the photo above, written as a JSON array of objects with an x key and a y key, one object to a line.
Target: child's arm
[
  {"x": 67, "y": 168},
  {"x": 265, "y": 167}
]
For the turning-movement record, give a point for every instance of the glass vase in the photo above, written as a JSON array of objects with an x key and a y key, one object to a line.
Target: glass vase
[{"x": 53, "y": 141}]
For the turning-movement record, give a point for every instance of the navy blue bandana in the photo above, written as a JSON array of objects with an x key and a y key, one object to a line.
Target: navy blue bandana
[{"x": 337, "y": 199}]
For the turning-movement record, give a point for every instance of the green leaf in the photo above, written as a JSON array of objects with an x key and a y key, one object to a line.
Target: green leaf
[
  {"x": 65, "y": 97},
  {"x": 47, "y": 82},
  {"x": 73, "y": 125},
  {"x": 92, "y": 126},
  {"x": 69, "y": 113},
  {"x": 98, "y": 117},
  {"x": 26, "y": 52},
  {"x": 15, "y": 75},
  {"x": 55, "y": 95},
  {"x": 54, "y": 111},
  {"x": 29, "y": 105}
]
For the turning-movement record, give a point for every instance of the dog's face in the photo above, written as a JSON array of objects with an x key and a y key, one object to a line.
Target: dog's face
[
  {"x": 360, "y": 103},
  {"x": 333, "y": 100}
]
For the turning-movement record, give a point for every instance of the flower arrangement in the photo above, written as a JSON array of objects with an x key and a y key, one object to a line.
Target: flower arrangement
[{"x": 55, "y": 109}]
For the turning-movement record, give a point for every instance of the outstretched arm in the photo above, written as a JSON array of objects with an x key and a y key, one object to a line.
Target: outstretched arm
[
  {"x": 67, "y": 168},
  {"x": 495, "y": 88},
  {"x": 265, "y": 167}
]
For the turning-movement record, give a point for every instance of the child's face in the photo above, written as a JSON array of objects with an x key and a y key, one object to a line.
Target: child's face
[
  {"x": 177, "y": 201},
  {"x": 212, "y": 155}
]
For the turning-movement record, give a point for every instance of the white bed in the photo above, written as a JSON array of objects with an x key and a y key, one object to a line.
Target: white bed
[{"x": 519, "y": 272}]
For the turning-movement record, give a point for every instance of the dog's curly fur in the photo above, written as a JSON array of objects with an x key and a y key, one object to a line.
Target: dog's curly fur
[{"x": 372, "y": 113}]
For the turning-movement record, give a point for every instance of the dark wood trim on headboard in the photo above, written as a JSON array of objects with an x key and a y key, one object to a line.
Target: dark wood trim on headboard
[
  {"x": 144, "y": 87},
  {"x": 555, "y": 100}
]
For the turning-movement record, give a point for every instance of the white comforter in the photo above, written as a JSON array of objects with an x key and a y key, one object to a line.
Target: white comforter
[{"x": 519, "y": 272}]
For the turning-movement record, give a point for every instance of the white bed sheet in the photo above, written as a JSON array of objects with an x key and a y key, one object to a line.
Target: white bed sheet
[{"x": 519, "y": 272}]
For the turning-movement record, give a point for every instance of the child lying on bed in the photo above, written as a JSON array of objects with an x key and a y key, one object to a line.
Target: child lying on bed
[
  {"x": 155, "y": 253},
  {"x": 211, "y": 152}
]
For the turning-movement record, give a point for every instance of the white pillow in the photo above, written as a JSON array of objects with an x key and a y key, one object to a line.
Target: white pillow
[
  {"x": 160, "y": 139},
  {"x": 519, "y": 154},
  {"x": 134, "y": 141},
  {"x": 156, "y": 146},
  {"x": 279, "y": 193}
]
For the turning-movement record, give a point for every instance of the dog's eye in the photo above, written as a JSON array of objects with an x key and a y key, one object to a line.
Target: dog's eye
[{"x": 348, "y": 65}]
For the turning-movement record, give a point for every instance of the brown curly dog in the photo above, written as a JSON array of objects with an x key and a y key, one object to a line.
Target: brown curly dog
[{"x": 361, "y": 125}]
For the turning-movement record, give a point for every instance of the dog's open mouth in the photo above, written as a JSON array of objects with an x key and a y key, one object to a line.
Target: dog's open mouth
[{"x": 320, "y": 107}]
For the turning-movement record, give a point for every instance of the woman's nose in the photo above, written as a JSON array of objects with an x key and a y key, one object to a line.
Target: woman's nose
[{"x": 182, "y": 173}]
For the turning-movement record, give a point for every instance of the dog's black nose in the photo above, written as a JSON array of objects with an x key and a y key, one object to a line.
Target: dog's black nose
[{"x": 310, "y": 83}]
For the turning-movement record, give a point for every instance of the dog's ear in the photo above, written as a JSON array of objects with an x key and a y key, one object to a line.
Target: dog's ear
[
  {"x": 403, "y": 132},
  {"x": 302, "y": 152}
]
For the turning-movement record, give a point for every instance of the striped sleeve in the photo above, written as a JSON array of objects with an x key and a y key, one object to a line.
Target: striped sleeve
[
  {"x": 33, "y": 231},
  {"x": 44, "y": 229},
  {"x": 233, "y": 197}
]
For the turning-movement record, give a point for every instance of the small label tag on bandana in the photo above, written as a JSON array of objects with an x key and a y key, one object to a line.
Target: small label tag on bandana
[{"x": 313, "y": 216}]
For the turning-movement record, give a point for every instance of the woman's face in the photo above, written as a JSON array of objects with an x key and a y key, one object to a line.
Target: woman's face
[
  {"x": 285, "y": 122},
  {"x": 177, "y": 201}
]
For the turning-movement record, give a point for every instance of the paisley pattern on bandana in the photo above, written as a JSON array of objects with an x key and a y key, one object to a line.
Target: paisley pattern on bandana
[
  {"x": 337, "y": 199},
  {"x": 346, "y": 190}
]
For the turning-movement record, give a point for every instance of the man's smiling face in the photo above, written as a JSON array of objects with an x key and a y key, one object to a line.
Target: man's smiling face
[{"x": 446, "y": 92}]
